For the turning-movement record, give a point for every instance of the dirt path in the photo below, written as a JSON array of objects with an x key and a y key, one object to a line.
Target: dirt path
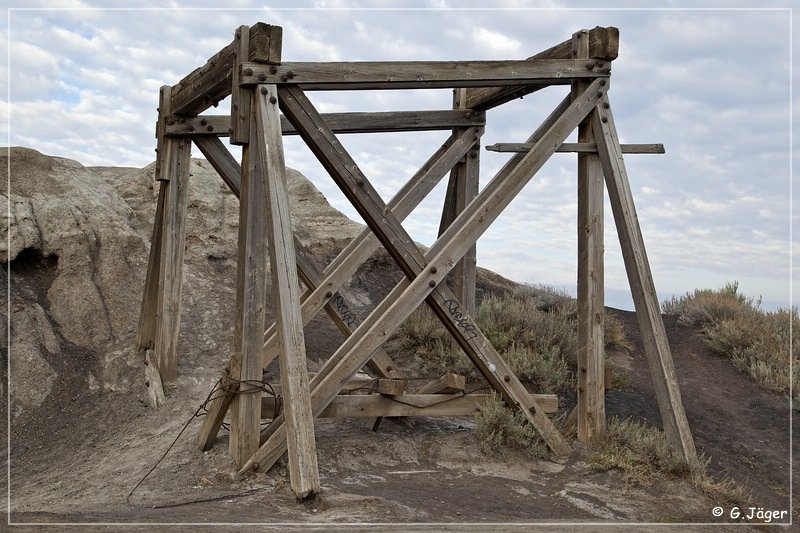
[{"x": 741, "y": 428}]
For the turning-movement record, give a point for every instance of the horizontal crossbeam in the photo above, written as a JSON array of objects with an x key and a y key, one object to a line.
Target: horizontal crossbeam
[
  {"x": 420, "y": 74},
  {"x": 581, "y": 148},
  {"x": 360, "y": 122},
  {"x": 371, "y": 405}
]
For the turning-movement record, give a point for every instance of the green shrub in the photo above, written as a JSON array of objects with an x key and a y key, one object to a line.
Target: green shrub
[
  {"x": 501, "y": 428},
  {"x": 534, "y": 329}
]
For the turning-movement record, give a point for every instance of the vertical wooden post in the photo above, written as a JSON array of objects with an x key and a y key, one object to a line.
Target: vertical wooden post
[
  {"x": 240, "y": 97},
  {"x": 251, "y": 297},
  {"x": 645, "y": 299},
  {"x": 591, "y": 412},
  {"x": 303, "y": 471},
  {"x": 461, "y": 189},
  {"x": 173, "y": 164}
]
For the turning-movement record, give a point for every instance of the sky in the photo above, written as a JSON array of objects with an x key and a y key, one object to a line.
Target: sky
[{"x": 713, "y": 85}]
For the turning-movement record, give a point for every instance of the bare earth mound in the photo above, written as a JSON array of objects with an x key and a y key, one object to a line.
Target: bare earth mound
[{"x": 82, "y": 434}]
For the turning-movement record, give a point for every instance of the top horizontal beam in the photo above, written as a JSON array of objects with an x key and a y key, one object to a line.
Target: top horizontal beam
[
  {"x": 603, "y": 46},
  {"x": 420, "y": 74},
  {"x": 209, "y": 84}
]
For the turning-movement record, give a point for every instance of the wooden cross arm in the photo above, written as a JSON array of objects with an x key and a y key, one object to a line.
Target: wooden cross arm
[{"x": 581, "y": 148}]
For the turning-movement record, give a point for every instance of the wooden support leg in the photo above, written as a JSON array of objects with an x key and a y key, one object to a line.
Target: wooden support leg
[
  {"x": 303, "y": 470},
  {"x": 591, "y": 412},
  {"x": 251, "y": 288},
  {"x": 645, "y": 299},
  {"x": 407, "y": 295},
  {"x": 148, "y": 313},
  {"x": 175, "y": 172},
  {"x": 461, "y": 189}
]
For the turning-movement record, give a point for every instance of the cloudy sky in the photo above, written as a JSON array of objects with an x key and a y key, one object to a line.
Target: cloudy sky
[{"x": 712, "y": 85}]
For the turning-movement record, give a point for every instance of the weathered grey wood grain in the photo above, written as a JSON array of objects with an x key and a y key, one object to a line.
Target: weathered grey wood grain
[
  {"x": 420, "y": 74},
  {"x": 352, "y": 122},
  {"x": 303, "y": 470},
  {"x": 591, "y": 415},
  {"x": 581, "y": 148}
]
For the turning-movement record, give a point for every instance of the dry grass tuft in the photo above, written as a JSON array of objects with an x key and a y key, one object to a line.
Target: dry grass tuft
[{"x": 643, "y": 455}]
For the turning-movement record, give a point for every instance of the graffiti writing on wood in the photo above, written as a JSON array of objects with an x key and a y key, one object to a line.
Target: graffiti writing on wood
[
  {"x": 348, "y": 316},
  {"x": 462, "y": 321}
]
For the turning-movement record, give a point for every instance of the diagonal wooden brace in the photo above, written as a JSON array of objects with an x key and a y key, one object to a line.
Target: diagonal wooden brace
[
  {"x": 407, "y": 295},
  {"x": 645, "y": 298}
]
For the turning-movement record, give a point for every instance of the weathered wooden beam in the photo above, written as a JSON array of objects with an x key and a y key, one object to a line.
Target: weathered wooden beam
[
  {"x": 447, "y": 384},
  {"x": 148, "y": 312},
  {"x": 591, "y": 420},
  {"x": 581, "y": 148},
  {"x": 240, "y": 99},
  {"x": 353, "y": 122},
  {"x": 420, "y": 74},
  {"x": 463, "y": 187},
  {"x": 407, "y": 295},
  {"x": 645, "y": 298},
  {"x": 174, "y": 171},
  {"x": 212, "y": 82},
  {"x": 418, "y": 404},
  {"x": 268, "y": 142},
  {"x": 603, "y": 46},
  {"x": 251, "y": 295}
]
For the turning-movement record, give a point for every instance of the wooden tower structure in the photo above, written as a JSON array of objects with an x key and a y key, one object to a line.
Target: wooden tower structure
[{"x": 268, "y": 100}]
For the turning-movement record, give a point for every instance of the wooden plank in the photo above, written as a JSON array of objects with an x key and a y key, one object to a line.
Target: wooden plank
[
  {"x": 645, "y": 298},
  {"x": 148, "y": 312},
  {"x": 603, "y": 46},
  {"x": 591, "y": 414},
  {"x": 303, "y": 469},
  {"x": 175, "y": 170},
  {"x": 351, "y": 122},
  {"x": 407, "y": 295},
  {"x": 212, "y": 82},
  {"x": 377, "y": 405},
  {"x": 251, "y": 289},
  {"x": 420, "y": 74},
  {"x": 240, "y": 99},
  {"x": 447, "y": 384},
  {"x": 590, "y": 148}
]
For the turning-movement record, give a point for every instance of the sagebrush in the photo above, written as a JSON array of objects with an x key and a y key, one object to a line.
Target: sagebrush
[
  {"x": 758, "y": 342},
  {"x": 533, "y": 328}
]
